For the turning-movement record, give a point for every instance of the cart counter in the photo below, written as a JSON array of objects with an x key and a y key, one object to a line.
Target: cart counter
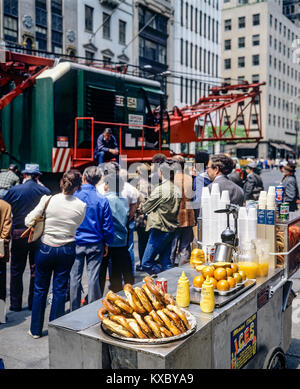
[{"x": 239, "y": 334}]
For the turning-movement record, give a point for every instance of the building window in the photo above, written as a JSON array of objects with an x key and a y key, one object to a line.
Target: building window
[
  {"x": 10, "y": 20},
  {"x": 200, "y": 59},
  {"x": 227, "y": 25},
  {"x": 241, "y": 62},
  {"x": 200, "y": 23},
  {"x": 89, "y": 15},
  {"x": 204, "y": 25},
  {"x": 209, "y": 23},
  {"x": 181, "y": 89},
  {"x": 89, "y": 55},
  {"x": 227, "y": 63},
  {"x": 192, "y": 17},
  {"x": 181, "y": 12},
  {"x": 181, "y": 51},
  {"x": 255, "y": 40},
  {"x": 191, "y": 56},
  {"x": 41, "y": 38},
  {"x": 271, "y": 20},
  {"x": 242, "y": 22},
  {"x": 57, "y": 26},
  {"x": 196, "y": 21},
  {"x": 196, "y": 57},
  {"x": 186, "y": 15},
  {"x": 255, "y": 20},
  {"x": 241, "y": 42},
  {"x": 106, "y": 25},
  {"x": 270, "y": 80},
  {"x": 255, "y": 78},
  {"x": 270, "y": 40},
  {"x": 41, "y": 13},
  {"x": 186, "y": 53},
  {"x": 204, "y": 60},
  {"x": 241, "y": 79},
  {"x": 255, "y": 60},
  {"x": 153, "y": 51},
  {"x": 227, "y": 44},
  {"x": 122, "y": 32}
]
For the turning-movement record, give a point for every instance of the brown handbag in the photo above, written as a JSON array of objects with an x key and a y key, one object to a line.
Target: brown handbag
[{"x": 35, "y": 231}]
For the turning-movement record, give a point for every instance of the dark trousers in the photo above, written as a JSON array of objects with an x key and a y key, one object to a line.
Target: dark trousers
[
  {"x": 143, "y": 237},
  {"x": 56, "y": 261},
  {"x": 20, "y": 251},
  {"x": 2, "y": 280},
  {"x": 121, "y": 269}
]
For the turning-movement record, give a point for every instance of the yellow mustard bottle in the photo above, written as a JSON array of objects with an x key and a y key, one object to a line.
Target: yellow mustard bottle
[
  {"x": 207, "y": 303},
  {"x": 183, "y": 291}
]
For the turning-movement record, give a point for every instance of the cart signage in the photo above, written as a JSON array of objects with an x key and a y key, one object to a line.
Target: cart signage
[
  {"x": 131, "y": 102},
  {"x": 120, "y": 101},
  {"x": 244, "y": 342},
  {"x": 136, "y": 122},
  {"x": 263, "y": 297},
  {"x": 62, "y": 141}
]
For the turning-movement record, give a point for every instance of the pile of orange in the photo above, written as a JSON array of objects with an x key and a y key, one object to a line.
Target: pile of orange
[
  {"x": 197, "y": 257},
  {"x": 223, "y": 278}
]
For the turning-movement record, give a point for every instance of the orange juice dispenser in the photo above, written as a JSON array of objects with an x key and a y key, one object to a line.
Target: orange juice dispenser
[{"x": 248, "y": 260}]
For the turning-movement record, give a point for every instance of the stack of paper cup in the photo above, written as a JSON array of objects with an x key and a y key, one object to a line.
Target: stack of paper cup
[
  {"x": 222, "y": 217},
  {"x": 252, "y": 224},
  {"x": 206, "y": 215},
  {"x": 215, "y": 205},
  {"x": 243, "y": 226}
]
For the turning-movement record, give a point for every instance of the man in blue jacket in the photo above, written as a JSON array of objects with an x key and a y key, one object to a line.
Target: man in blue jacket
[
  {"x": 92, "y": 238},
  {"x": 23, "y": 199},
  {"x": 107, "y": 147}
]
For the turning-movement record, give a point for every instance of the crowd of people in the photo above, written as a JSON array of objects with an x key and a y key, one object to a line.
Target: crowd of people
[{"x": 92, "y": 220}]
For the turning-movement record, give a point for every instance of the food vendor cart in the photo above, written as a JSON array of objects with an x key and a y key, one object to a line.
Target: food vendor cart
[{"x": 250, "y": 329}]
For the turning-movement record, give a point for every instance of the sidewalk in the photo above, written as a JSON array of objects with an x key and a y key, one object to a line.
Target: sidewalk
[{"x": 19, "y": 351}]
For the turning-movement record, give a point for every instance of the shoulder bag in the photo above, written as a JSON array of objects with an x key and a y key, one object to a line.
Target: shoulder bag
[{"x": 35, "y": 231}]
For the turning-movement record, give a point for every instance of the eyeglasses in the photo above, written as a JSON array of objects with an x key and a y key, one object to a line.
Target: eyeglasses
[{"x": 209, "y": 167}]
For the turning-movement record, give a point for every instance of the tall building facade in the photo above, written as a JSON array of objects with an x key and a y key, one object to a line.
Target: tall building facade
[
  {"x": 291, "y": 9},
  {"x": 257, "y": 46},
  {"x": 105, "y": 30},
  {"x": 46, "y": 25},
  {"x": 195, "y": 63}
]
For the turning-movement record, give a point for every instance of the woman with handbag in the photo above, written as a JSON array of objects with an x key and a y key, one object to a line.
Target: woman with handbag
[{"x": 61, "y": 215}]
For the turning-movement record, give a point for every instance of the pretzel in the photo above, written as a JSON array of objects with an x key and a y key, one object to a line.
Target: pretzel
[
  {"x": 156, "y": 318},
  {"x": 169, "y": 299},
  {"x": 123, "y": 305},
  {"x": 181, "y": 314},
  {"x": 165, "y": 333},
  {"x": 155, "y": 302},
  {"x": 133, "y": 300},
  {"x": 153, "y": 325},
  {"x": 143, "y": 299},
  {"x": 122, "y": 321},
  {"x": 136, "y": 329},
  {"x": 176, "y": 319},
  {"x": 117, "y": 328},
  {"x": 111, "y": 307},
  {"x": 169, "y": 323},
  {"x": 142, "y": 324},
  {"x": 153, "y": 288},
  {"x": 101, "y": 312},
  {"x": 111, "y": 296}
]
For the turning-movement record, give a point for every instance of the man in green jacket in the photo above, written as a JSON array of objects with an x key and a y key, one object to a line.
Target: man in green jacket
[{"x": 162, "y": 209}]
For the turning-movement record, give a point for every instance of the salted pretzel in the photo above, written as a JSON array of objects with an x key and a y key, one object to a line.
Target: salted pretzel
[
  {"x": 111, "y": 307},
  {"x": 112, "y": 296},
  {"x": 154, "y": 301},
  {"x": 142, "y": 324},
  {"x": 153, "y": 325},
  {"x": 156, "y": 318},
  {"x": 133, "y": 300},
  {"x": 123, "y": 305},
  {"x": 101, "y": 313},
  {"x": 143, "y": 299},
  {"x": 181, "y": 314},
  {"x": 122, "y": 321},
  {"x": 165, "y": 333},
  {"x": 169, "y": 299},
  {"x": 168, "y": 323},
  {"x": 136, "y": 329},
  {"x": 153, "y": 288},
  {"x": 176, "y": 319},
  {"x": 117, "y": 328}
]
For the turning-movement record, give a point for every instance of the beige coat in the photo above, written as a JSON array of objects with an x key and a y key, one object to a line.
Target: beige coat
[
  {"x": 186, "y": 217},
  {"x": 5, "y": 226}
]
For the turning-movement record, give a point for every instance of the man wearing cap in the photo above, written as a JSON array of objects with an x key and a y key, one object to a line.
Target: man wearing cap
[
  {"x": 8, "y": 179},
  {"x": 23, "y": 199},
  {"x": 107, "y": 147},
  {"x": 253, "y": 184},
  {"x": 290, "y": 184}
]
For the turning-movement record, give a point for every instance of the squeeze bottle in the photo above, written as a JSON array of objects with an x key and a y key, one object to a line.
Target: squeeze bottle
[
  {"x": 207, "y": 303},
  {"x": 183, "y": 291}
]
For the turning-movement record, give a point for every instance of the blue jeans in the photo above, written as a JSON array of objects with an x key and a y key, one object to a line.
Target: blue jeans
[
  {"x": 50, "y": 260},
  {"x": 93, "y": 253},
  {"x": 106, "y": 157},
  {"x": 159, "y": 243},
  {"x": 131, "y": 228}
]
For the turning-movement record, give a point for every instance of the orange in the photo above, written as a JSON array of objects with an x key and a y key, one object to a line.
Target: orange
[
  {"x": 237, "y": 277},
  {"x": 231, "y": 282},
  {"x": 214, "y": 281},
  {"x": 198, "y": 253},
  {"x": 220, "y": 274},
  {"x": 229, "y": 272},
  {"x": 223, "y": 285},
  {"x": 207, "y": 272},
  {"x": 242, "y": 274},
  {"x": 198, "y": 281},
  {"x": 234, "y": 267}
]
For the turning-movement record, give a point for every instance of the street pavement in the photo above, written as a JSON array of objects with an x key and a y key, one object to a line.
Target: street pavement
[{"x": 19, "y": 351}]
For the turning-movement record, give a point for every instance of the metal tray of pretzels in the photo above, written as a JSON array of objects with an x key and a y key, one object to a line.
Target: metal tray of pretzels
[{"x": 146, "y": 316}]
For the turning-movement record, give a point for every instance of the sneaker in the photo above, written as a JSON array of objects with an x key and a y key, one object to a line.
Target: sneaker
[
  {"x": 138, "y": 268},
  {"x": 33, "y": 336}
]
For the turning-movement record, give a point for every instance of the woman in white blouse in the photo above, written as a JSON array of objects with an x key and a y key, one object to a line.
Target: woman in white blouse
[{"x": 56, "y": 253}]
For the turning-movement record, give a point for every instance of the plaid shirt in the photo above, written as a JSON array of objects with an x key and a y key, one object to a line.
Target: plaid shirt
[{"x": 8, "y": 179}]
